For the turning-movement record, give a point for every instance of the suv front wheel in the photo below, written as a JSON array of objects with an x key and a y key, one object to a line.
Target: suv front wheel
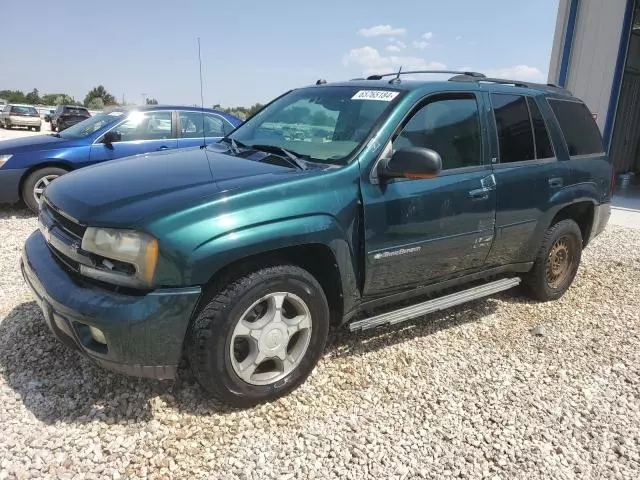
[
  {"x": 557, "y": 262},
  {"x": 259, "y": 337}
]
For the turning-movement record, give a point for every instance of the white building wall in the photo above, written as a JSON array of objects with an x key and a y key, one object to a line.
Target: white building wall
[
  {"x": 594, "y": 51},
  {"x": 558, "y": 40}
]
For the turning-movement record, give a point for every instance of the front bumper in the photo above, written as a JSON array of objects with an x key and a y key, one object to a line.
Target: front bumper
[
  {"x": 144, "y": 333},
  {"x": 10, "y": 185}
]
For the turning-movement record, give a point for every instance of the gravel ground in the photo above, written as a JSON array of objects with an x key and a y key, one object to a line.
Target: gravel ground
[{"x": 473, "y": 392}]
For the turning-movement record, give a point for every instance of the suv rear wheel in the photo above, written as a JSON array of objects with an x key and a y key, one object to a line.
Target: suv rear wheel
[
  {"x": 260, "y": 337},
  {"x": 557, "y": 262},
  {"x": 34, "y": 185}
]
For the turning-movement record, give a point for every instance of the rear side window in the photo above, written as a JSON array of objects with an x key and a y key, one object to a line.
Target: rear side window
[
  {"x": 543, "y": 144},
  {"x": 578, "y": 127},
  {"x": 515, "y": 135}
]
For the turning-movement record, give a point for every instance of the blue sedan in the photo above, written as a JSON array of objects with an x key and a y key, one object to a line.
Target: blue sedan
[{"x": 27, "y": 165}]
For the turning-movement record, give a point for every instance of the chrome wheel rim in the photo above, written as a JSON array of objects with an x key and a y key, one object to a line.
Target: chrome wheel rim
[
  {"x": 38, "y": 188},
  {"x": 271, "y": 338},
  {"x": 560, "y": 262}
]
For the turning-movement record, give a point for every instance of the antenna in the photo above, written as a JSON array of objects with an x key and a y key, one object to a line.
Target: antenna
[
  {"x": 204, "y": 137},
  {"x": 397, "y": 79}
]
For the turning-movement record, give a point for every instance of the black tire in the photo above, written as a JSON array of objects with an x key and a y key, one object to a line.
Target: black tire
[
  {"x": 208, "y": 344},
  {"x": 7, "y": 125},
  {"x": 28, "y": 196},
  {"x": 541, "y": 280},
  {"x": 53, "y": 127},
  {"x": 37, "y": 129}
]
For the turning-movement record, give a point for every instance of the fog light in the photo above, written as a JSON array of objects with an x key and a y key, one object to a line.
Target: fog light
[{"x": 97, "y": 335}]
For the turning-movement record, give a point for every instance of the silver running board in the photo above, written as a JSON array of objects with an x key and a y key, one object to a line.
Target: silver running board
[{"x": 430, "y": 306}]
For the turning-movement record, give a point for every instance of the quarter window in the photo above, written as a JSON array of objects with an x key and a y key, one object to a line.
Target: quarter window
[
  {"x": 196, "y": 124},
  {"x": 146, "y": 126},
  {"x": 515, "y": 134},
  {"x": 578, "y": 127},
  {"x": 449, "y": 126}
]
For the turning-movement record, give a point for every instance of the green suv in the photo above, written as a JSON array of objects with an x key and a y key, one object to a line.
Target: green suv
[{"x": 364, "y": 203}]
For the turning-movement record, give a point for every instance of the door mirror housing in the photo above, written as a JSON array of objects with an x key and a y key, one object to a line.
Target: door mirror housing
[
  {"x": 111, "y": 137},
  {"x": 411, "y": 162}
]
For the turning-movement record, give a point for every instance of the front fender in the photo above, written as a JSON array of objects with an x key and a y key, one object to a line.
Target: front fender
[{"x": 212, "y": 256}]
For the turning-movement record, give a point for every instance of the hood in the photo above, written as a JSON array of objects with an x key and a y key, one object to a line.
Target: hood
[
  {"x": 28, "y": 144},
  {"x": 122, "y": 192}
]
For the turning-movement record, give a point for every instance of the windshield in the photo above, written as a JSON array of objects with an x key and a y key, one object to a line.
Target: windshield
[
  {"x": 324, "y": 124},
  {"x": 91, "y": 125}
]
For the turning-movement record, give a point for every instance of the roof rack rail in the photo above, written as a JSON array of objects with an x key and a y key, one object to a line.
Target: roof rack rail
[
  {"x": 396, "y": 75},
  {"x": 505, "y": 81}
]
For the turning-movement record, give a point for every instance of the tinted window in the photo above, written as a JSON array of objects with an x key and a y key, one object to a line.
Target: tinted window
[
  {"x": 76, "y": 111},
  {"x": 451, "y": 127},
  {"x": 515, "y": 135},
  {"x": 193, "y": 123},
  {"x": 543, "y": 144},
  {"x": 578, "y": 126},
  {"x": 146, "y": 126}
]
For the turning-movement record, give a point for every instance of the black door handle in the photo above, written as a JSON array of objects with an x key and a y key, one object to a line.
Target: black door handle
[
  {"x": 555, "y": 182},
  {"x": 163, "y": 148}
]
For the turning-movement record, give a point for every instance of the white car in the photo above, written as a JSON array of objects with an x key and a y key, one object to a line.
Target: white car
[{"x": 15, "y": 115}]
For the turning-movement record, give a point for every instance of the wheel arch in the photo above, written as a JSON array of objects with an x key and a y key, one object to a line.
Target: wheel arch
[{"x": 39, "y": 166}]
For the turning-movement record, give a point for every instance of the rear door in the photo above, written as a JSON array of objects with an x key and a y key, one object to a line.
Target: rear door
[
  {"x": 141, "y": 132},
  {"x": 420, "y": 230},
  {"x": 528, "y": 175},
  {"x": 194, "y": 128}
]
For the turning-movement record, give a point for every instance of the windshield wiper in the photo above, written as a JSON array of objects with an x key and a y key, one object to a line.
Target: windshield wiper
[
  {"x": 233, "y": 144},
  {"x": 292, "y": 157}
]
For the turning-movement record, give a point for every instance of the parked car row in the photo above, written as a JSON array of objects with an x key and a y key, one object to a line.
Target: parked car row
[{"x": 234, "y": 259}]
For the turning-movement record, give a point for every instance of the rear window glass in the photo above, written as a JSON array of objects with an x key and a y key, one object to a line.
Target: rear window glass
[
  {"x": 515, "y": 135},
  {"x": 543, "y": 144},
  {"x": 578, "y": 126},
  {"x": 24, "y": 110},
  {"x": 76, "y": 111}
]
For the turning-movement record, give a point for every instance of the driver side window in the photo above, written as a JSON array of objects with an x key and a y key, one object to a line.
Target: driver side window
[
  {"x": 146, "y": 126},
  {"x": 451, "y": 127}
]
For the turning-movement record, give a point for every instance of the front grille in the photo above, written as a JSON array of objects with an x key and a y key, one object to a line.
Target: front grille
[{"x": 64, "y": 223}]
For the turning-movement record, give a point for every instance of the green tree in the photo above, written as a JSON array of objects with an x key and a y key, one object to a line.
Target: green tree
[
  {"x": 95, "y": 103},
  {"x": 33, "y": 97},
  {"x": 101, "y": 93},
  {"x": 13, "y": 96},
  {"x": 59, "y": 99},
  {"x": 151, "y": 101}
]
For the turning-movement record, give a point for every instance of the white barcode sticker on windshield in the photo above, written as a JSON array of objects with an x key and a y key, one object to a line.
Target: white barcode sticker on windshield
[{"x": 381, "y": 95}]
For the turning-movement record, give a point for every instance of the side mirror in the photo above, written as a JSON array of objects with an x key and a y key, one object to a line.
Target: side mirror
[
  {"x": 411, "y": 162},
  {"x": 111, "y": 137}
]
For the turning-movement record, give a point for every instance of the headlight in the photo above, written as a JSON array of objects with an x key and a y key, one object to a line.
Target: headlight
[
  {"x": 129, "y": 257},
  {"x": 4, "y": 159}
]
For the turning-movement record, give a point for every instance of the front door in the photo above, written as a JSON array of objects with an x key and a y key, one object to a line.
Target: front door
[
  {"x": 422, "y": 230},
  {"x": 141, "y": 132}
]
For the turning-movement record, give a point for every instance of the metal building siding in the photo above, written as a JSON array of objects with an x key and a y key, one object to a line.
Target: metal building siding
[
  {"x": 626, "y": 136},
  {"x": 558, "y": 42},
  {"x": 594, "y": 53}
]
